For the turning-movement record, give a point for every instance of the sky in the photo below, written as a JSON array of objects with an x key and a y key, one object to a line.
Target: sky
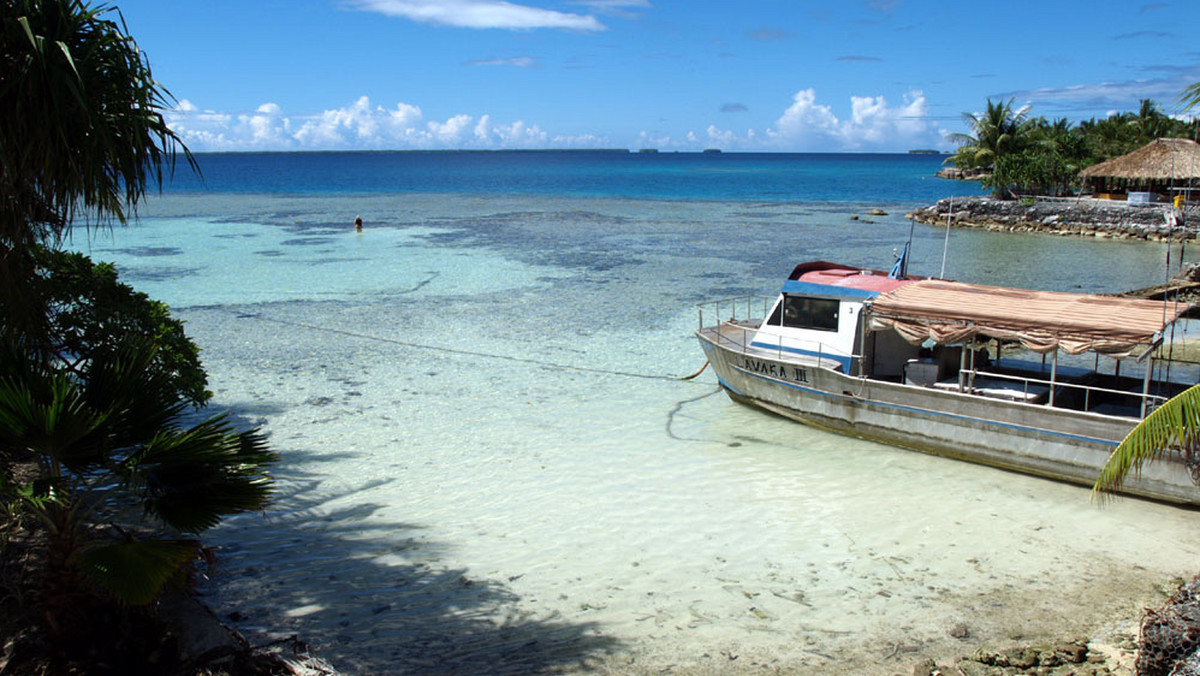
[{"x": 682, "y": 75}]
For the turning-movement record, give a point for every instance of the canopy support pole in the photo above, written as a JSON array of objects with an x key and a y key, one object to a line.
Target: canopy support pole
[
  {"x": 1146, "y": 384},
  {"x": 962, "y": 365},
  {"x": 1053, "y": 376},
  {"x": 971, "y": 382}
]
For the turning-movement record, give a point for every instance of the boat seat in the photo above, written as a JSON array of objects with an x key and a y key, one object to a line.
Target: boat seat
[
  {"x": 999, "y": 388},
  {"x": 1024, "y": 366}
]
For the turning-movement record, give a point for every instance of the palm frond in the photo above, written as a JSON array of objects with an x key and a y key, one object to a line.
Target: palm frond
[
  {"x": 52, "y": 420},
  {"x": 1170, "y": 428},
  {"x": 1190, "y": 98},
  {"x": 135, "y": 571},
  {"x": 192, "y": 478}
]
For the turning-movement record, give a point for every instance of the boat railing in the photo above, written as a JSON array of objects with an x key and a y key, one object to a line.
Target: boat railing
[
  {"x": 738, "y": 309},
  {"x": 1041, "y": 391}
]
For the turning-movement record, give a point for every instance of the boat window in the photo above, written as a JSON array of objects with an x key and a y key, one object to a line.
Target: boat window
[
  {"x": 776, "y": 318},
  {"x": 810, "y": 313}
]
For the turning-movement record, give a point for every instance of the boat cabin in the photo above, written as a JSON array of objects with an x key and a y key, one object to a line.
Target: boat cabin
[
  {"x": 818, "y": 313},
  {"x": 1101, "y": 354}
]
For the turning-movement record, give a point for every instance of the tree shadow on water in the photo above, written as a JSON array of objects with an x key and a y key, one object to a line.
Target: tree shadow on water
[{"x": 370, "y": 595}]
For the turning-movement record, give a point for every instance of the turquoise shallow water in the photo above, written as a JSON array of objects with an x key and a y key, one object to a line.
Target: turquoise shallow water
[{"x": 491, "y": 466}]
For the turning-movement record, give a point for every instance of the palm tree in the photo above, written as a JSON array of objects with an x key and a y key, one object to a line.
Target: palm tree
[
  {"x": 124, "y": 483},
  {"x": 98, "y": 400},
  {"x": 1171, "y": 428},
  {"x": 1190, "y": 98},
  {"x": 81, "y": 133},
  {"x": 998, "y": 132}
]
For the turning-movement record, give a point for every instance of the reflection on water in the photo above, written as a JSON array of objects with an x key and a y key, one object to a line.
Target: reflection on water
[{"x": 490, "y": 463}]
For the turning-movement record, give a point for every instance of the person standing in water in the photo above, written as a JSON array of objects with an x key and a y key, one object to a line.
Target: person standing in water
[{"x": 358, "y": 223}]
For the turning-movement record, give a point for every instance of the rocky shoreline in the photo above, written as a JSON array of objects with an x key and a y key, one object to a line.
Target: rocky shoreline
[{"x": 1082, "y": 216}]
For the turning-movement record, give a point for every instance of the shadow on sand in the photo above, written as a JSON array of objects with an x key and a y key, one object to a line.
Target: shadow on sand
[{"x": 370, "y": 596}]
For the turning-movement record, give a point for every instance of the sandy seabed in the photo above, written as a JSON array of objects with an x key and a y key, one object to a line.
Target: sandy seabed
[
  {"x": 459, "y": 513},
  {"x": 490, "y": 464}
]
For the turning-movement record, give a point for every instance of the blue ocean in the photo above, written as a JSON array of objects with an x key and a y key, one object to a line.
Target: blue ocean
[
  {"x": 491, "y": 462},
  {"x": 769, "y": 177}
]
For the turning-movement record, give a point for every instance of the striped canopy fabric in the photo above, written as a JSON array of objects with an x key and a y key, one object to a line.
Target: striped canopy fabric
[{"x": 1043, "y": 321}]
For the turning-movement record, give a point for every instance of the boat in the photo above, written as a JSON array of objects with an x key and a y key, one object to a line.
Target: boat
[{"x": 1040, "y": 382}]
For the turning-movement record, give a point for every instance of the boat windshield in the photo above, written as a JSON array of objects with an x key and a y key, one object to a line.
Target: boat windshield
[{"x": 804, "y": 312}]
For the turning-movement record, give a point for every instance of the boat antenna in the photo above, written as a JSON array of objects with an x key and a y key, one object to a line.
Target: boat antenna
[
  {"x": 900, "y": 269},
  {"x": 946, "y": 244}
]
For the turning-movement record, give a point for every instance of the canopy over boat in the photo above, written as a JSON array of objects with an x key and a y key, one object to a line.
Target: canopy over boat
[{"x": 1043, "y": 321}]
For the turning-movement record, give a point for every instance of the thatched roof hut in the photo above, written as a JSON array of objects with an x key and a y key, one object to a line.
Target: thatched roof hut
[{"x": 1164, "y": 165}]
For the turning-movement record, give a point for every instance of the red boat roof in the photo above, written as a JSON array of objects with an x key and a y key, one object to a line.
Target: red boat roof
[{"x": 845, "y": 276}]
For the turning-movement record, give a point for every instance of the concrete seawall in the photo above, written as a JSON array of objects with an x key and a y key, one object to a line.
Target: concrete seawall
[{"x": 1064, "y": 216}]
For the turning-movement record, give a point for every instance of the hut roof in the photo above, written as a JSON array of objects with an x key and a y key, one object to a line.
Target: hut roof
[{"x": 1161, "y": 159}]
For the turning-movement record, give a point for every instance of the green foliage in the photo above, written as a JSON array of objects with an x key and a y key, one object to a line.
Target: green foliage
[
  {"x": 1033, "y": 156},
  {"x": 135, "y": 571},
  {"x": 91, "y": 313},
  {"x": 95, "y": 378},
  {"x": 1171, "y": 428},
  {"x": 81, "y": 133},
  {"x": 81, "y": 129},
  {"x": 116, "y": 456},
  {"x": 1190, "y": 98}
]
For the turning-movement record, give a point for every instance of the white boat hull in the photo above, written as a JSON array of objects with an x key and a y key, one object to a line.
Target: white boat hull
[{"x": 1056, "y": 443}]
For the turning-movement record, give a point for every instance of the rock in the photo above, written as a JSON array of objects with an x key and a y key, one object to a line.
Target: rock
[
  {"x": 1072, "y": 653},
  {"x": 1023, "y": 658},
  {"x": 971, "y": 668},
  {"x": 1074, "y": 216},
  {"x": 877, "y": 212},
  {"x": 960, "y": 631},
  {"x": 202, "y": 638},
  {"x": 925, "y": 667},
  {"x": 990, "y": 658}
]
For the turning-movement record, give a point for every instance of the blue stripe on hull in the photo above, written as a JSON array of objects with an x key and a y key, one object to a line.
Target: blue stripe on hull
[{"x": 844, "y": 361}]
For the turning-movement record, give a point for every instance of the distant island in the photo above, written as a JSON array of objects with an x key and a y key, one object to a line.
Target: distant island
[{"x": 925, "y": 151}]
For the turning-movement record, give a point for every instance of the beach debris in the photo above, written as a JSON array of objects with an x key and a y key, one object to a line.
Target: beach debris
[
  {"x": 1066, "y": 658},
  {"x": 1170, "y": 636}
]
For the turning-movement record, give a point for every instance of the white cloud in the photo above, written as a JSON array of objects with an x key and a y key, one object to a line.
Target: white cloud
[
  {"x": 612, "y": 4},
  {"x": 723, "y": 139},
  {"x": 480, "y": 14},
  {"x": 873, "y": 125},
  {"x": 647, "y": 140},
  {"x": 358, "y": 126},
  {"x": 806, "y": 125},
  {"x": 809, "y": 126},
  {"x": 619, "y": 8},
  {"x": 517, "y": 61}
]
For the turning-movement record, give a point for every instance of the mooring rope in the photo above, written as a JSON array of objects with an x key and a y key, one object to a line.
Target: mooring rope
[
  {"x": 471, "y": 353},
  {"x": 697, "y": 372}
]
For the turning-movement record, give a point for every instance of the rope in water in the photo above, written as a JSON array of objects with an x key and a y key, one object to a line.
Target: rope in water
[
  {"x": 697, "y": 372},
  {"x": 472, "y": 353}
]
